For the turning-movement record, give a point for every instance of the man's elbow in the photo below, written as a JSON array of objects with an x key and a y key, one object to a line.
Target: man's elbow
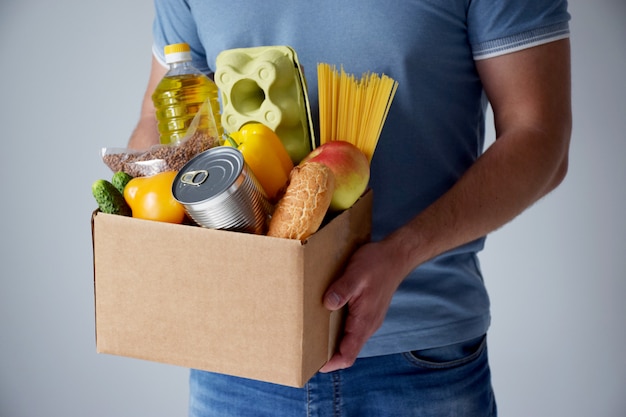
[
  {"x": 561, "y": 172},
  {"x": 561, "y": 167}
]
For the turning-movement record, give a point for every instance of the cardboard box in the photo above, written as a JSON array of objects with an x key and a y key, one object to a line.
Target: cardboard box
[{"x": 234, "y": 303}]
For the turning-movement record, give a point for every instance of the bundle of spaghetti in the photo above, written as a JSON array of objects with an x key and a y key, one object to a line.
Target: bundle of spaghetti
[{"x": 351, "y": 109}]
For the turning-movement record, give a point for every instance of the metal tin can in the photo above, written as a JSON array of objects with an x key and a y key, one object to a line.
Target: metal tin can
[{"x": 219, "y": 191}]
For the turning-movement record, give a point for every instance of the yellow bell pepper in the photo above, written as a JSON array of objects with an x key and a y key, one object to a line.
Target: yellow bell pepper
[
  {"x": 266, "y": 156},
  {"x": 151, "y": 198}
]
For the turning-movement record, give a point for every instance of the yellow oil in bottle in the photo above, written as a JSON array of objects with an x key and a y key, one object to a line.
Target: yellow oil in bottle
[{"x": 180, "y": 95}]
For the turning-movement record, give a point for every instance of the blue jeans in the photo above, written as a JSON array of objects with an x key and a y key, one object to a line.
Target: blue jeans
[{"x": 452, "y": 381}]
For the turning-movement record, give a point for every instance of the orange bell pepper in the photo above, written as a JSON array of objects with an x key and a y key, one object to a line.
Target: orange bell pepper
[{"x": 151, "y": 198}]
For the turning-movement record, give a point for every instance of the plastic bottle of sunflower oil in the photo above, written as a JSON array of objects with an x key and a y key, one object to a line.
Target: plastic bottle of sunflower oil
[{"x": 180, "y": 94}]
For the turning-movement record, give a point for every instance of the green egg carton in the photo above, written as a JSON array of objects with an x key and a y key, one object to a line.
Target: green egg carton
[{"x": 266, "y": 85}]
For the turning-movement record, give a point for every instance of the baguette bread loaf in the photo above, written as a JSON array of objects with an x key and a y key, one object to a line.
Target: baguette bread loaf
[{"x": 301, "y": 210}]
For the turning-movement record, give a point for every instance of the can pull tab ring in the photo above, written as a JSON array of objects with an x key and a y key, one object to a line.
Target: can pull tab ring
[{"x": 194, "y": 177}]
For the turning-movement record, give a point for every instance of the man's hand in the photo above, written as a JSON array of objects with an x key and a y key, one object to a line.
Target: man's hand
[{"x": 367, "y": 286}]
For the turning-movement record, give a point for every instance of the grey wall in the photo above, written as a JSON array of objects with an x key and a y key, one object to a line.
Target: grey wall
[{"x": 73, "y": 74}]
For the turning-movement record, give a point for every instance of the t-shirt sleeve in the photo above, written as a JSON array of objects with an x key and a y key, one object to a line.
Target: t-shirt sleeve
[
  {"x": 500, "y": 27},
  {"x": 174, "y": 23}
]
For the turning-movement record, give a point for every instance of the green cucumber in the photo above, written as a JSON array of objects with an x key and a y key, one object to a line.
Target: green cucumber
[
  {"x": 120, "y": 179},
  {"x": 109, "y": 199}
]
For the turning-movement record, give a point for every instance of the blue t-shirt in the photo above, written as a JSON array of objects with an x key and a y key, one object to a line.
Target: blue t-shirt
[{"x": 435, "y": 127}]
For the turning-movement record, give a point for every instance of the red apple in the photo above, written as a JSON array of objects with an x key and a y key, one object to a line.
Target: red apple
[{"x": 350, "y": 167}]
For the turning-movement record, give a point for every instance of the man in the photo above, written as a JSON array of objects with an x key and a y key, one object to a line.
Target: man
[{"x": 414, "y": 339}]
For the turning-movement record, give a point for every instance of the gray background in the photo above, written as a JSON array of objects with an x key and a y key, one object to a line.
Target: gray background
[{"x": 73, "y": 74}]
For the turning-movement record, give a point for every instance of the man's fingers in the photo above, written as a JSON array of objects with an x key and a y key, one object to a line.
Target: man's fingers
[
  {"x": 338, "y": 293},
  {"x": 333, "y": 301},
  {"x": 346, "y": 355}
]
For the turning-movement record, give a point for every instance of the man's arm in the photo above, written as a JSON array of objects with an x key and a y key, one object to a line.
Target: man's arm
[
  {"x": 529, "y": 92},
  {"x": 146, "y": 133}
]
